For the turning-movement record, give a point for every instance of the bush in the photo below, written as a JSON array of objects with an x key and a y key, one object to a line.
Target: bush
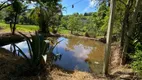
[
  {"x": 41, "y": 53},
  {"x": 137, "y": 59}
]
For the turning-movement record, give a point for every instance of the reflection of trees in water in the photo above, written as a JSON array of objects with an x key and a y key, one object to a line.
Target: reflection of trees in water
[
  {"x": 96, "y": 68},
  {"x": 76, "y": 41},
  {"x": 79, "y": 46},
  {"x": 94, "y": 54},
  {"x": 13, "y": 48},
  {"x": 98, "y": 48}
]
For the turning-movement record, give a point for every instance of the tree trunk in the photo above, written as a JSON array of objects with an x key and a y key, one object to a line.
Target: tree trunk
[
  {"x": 126, "y": 15},
  {"x": 109, "y": 36},
  {"x": 130, "y": 31},
  {"x": 42, "y": 22},
  {"x": 43, "y": 27},
  {"x": 14, "y": 26},
  {"x": 124, "y": 29},
  {"x": 47, "y": 31},
  {"x": 11, "y": 26},
  {"x": 71, "y": 31}
]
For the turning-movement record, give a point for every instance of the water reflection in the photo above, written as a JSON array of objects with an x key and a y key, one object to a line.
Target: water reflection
[
  {"x": 77, "y": 53},
  {"x": 80, "y": 54},
  {"x": 23, "y": 46}
]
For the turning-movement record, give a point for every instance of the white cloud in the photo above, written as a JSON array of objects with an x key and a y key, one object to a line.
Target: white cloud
[
  {"x": 92, "y": 4},
  {"x": 81, "y": 52},
  {"x": 33, "y": 2}
]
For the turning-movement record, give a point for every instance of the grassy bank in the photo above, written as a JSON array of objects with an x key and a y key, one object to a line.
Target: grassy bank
[
  {"x": 68, "y": 32},
  {"x": 63, "y": 31},
  {"x": 23, "y": 28}
]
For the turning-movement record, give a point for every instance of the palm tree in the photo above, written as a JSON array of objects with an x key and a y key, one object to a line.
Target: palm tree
[
  {"x": 4, "y": 5},
  {"x": 48, "y": 10},
  {"x": 17, "y": 7}
]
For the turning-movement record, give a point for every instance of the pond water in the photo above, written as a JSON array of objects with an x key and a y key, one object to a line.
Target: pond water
[{"x": 77, "y": 54}]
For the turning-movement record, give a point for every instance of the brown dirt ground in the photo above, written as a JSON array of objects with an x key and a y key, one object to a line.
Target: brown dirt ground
[{"x": 118, "y": 71}]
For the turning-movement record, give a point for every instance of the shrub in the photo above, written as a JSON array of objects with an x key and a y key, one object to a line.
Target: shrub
[
  {"x": 137, "y": 59},
  {"x": 41, "y": 53}
]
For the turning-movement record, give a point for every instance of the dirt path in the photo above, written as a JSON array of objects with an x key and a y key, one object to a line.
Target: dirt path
[
  {"x": 76, "y": 75},
  {"x": 120, "y": 72}
]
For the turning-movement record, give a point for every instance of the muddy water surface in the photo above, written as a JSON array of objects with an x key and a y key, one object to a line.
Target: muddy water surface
[{"x": 77, "y": 54}]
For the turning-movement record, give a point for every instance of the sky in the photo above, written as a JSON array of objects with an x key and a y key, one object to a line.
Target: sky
[{"x": 80, "y": 6}]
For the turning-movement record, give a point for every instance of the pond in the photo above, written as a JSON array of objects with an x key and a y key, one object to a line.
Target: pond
[{"x": 77, "y": 54}]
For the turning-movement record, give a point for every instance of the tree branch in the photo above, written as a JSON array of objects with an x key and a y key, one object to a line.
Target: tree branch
[
  {"x": 122, "y": 2},
  {"x": 3, "y": 5}
]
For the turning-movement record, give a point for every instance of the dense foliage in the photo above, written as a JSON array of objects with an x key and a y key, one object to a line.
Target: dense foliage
[
  {"x": 94, "y": 23},
  {"x": 130, "y": 16},
  {"x": 137, "y": 58},
  {"x": 45, "y": 14}
]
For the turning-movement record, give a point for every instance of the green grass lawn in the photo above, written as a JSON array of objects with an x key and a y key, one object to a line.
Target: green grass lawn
[
  {"x": 23, "y": 28},
  {"x": 63, "y": 31},
  {"x": 31, "y": 28}
]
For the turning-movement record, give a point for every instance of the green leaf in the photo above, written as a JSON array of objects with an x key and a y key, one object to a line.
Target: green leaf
[
  {"x": 23, "y": 54},
  {"x": 28, "y": 43}
]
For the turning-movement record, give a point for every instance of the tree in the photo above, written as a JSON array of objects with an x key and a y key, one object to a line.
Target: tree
[
  {"x": 48, "y": 11},
  {"x": 3, "y": 14},
  {"x": 129, "y": 32},
  {"x": 64, "y": 20},
  {"x": 74, "y": 23},
  {"x": 17, "y": 9},
  {"x": 4, "y": 5}
]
